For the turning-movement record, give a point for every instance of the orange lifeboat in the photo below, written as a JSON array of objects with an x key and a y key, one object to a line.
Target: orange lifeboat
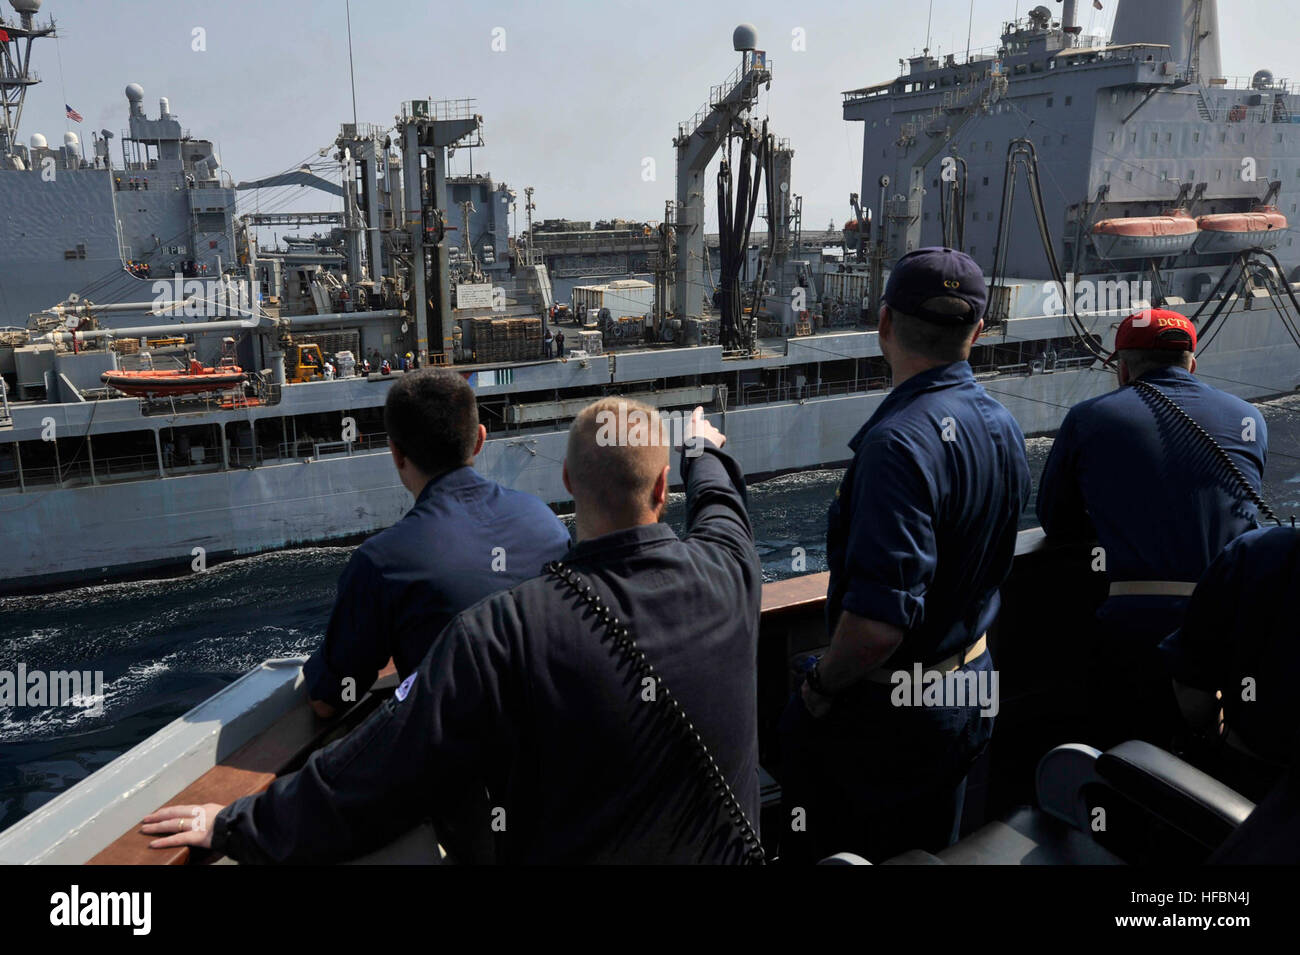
[
  {"x": 196, "y": 379},
  {"x": 1260, "y": 228},
  {"x": 1142, "y": 237}
]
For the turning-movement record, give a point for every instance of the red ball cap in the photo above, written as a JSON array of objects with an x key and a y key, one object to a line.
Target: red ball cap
[{"x": 1156, "y": 328}]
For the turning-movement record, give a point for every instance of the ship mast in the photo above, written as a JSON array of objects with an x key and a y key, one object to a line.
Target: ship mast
[{"x": 15, "y": 68}]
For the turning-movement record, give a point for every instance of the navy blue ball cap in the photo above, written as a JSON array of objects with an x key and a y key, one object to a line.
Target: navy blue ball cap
[{"x": 937, "y": 273}]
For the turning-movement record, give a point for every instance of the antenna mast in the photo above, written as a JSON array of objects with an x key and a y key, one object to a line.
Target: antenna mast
[
  {"x": 15, "y": 75},
  {"x": 970, "y": 22},
  {"x": 352, "y": 73}
]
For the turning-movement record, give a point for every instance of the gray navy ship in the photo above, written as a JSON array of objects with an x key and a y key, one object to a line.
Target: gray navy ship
[{"x": 174, "y": 394}]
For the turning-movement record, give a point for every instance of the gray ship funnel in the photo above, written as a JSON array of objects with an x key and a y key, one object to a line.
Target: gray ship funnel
[{"x": 1174, "y": 22}]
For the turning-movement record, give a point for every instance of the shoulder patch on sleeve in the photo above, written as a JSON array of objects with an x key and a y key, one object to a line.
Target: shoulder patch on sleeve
[{"x": 405, "y": 688}]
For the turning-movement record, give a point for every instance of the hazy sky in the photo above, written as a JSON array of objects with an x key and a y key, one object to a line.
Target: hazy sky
[{"x": 583, "y": 92}]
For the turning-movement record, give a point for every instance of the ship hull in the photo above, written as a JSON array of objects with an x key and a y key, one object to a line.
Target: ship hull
[{"x": 188, "y": 523}]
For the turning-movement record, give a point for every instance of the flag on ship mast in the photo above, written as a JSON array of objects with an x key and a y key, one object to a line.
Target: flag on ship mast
[
  {"x": 4, "y": 37},
  {"x": 72, "y": 113}
]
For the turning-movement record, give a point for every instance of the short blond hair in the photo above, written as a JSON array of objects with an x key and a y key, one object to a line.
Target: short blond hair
[{"x": 617, "y": 450}]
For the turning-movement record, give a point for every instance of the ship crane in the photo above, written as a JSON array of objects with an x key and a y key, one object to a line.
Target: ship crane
[
  {"x": 958, "y": 111},
  {"x": 698, "y": 141}
]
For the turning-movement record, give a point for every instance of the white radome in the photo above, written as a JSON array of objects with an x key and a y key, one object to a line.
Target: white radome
[
  {"x": 25, "y": 6},
  {"x": 70, "y": 139},
  {"x": 134, "y": 92},
  {"x": 37, "y": 141}
]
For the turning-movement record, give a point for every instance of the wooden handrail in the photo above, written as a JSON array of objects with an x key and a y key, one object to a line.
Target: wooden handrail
[{"x": 249, "y": 770}]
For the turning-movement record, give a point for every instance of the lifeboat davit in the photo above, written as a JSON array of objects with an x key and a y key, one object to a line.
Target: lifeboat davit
[
  {"x": 194, "y": 380},
  {"x": 1144, "y": 237},
  {"x": 1260, "y": 228}
]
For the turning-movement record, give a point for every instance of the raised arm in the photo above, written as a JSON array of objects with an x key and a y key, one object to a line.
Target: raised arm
[{"x": 716, "y": 509}]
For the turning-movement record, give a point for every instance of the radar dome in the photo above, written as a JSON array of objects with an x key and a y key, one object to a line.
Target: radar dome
[
  {"x": 70, "y": 139},
  {"x": 1262, "y": 79},
  {"x": 744, "y": 37},
  {"x": 25, "y": 6},
  {"x": 37, "y": 141},
  {"x": 135, "y": 92}
]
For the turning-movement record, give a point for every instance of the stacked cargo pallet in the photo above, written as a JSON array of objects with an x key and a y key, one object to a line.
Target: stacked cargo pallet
[
  {"x": 332, "y": 342},
  {"x": 591, "y": 343},
  {"x": 507, "y": 339}
]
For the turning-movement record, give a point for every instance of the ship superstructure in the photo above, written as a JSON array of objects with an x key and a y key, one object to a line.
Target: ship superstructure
[{"x": 1139, "y": 125}]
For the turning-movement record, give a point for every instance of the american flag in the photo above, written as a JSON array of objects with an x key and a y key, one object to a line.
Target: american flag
[{"x": 72, "y": 113}]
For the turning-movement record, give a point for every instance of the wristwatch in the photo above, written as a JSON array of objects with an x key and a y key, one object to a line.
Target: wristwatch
[{"x": 814, "y": 679}]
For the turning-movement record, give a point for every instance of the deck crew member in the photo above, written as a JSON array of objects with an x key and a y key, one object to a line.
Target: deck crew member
[
  {"x": 466, "y": 537},
  {"x": 1130, "y": 470},
  {"x": 1239, "y": 639},
  {"x": 920, "y": 537},
  {"x": 581, "y": 753}
]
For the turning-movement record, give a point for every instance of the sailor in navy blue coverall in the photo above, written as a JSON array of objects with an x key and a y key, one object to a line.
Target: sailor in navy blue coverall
[
  {"x": 524, "y": 693},
  {"x": 465, "y": 538},
  {"x": 919, "y": 539},
  {"x": 1127, "y": 468}
]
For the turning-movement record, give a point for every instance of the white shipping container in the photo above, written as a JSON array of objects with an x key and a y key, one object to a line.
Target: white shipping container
[{"x": 625, "y": 298}]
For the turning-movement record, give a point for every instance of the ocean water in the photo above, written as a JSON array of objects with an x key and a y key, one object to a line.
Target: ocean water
[{"x": 166, "y": 645}]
